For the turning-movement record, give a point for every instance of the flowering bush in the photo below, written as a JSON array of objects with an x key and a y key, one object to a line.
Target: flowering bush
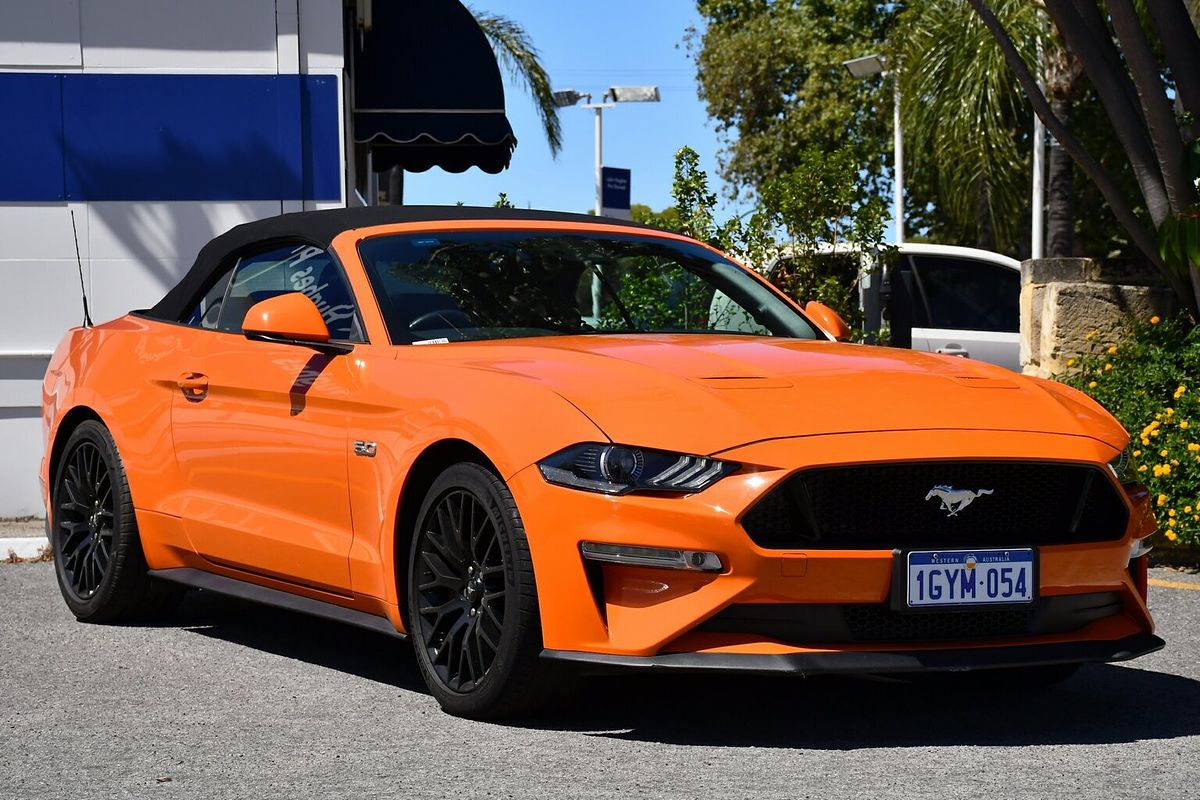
[{"x": 1150, "y": 380}]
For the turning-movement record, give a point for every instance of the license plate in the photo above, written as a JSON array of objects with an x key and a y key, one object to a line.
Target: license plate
[{"x": 970, "y": 577}]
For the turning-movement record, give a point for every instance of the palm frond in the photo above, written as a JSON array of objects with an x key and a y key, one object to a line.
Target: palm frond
[
  {"x": 515, "y": 51},
  {"x": 962, "y": 110}
]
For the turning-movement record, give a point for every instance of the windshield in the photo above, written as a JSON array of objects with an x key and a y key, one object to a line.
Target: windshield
[{"x": 456, "y": 286}]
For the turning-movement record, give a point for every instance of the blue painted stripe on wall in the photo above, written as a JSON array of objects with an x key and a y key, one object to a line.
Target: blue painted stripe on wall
[
  {"x": 177, "y": 137},
  {"x": 31, "y": 137}
]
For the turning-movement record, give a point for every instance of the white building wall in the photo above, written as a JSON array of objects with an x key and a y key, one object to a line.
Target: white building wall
[{"x": 131, "y": 252}]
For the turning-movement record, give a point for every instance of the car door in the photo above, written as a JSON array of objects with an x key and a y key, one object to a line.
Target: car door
[
  {"x": 966, "y": 307},
  {"x": 260, "y": 428}
]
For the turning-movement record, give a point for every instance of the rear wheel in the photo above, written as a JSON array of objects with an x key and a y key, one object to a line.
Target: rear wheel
[
  {"x": 98, "y": 556},
  {"x": 472, "y": 601}
]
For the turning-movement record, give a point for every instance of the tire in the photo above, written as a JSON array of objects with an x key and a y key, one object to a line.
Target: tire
[
  {"x": 472, "y": 600},
  {"x": 98, "y": 555}
]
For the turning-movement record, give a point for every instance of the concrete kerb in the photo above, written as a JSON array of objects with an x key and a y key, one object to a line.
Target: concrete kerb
[{"x": 22, "y": 539}]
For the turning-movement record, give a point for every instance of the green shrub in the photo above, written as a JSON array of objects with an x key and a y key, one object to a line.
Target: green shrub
[{"x": 1150, "y": 381}]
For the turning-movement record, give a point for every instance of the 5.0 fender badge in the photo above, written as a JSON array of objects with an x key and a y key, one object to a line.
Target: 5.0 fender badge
[
  {"x": 955, "y": 500},
  {"x": 362, "y": 448}
]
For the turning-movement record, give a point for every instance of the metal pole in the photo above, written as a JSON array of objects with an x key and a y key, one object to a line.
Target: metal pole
[
  {"x": 597, "y": 286},
  {"x": 1037, "y": 237},
  {"x": 898, "y": 169},
  {"x": 599, "y": 159}
]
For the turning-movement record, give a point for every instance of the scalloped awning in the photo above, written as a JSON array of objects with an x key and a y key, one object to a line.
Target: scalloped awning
[{"x": 427, "y": 91}]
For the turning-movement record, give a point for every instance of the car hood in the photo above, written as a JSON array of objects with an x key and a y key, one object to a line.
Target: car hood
[{"x": 708, "y": 393}]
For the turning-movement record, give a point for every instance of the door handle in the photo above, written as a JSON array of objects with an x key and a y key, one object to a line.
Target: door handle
[
  {"x": 953, "y": 350},
  {"x": 194, "y": 386}
]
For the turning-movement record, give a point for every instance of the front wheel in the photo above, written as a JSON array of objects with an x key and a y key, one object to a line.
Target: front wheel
[{"x": 472, "y": 601}]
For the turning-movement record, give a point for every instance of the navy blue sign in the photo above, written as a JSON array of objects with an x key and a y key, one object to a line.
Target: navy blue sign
[{"x": 614, "y": 197}]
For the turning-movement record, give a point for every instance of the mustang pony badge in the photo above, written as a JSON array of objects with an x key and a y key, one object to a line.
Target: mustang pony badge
[{"x": 955, "y": 500}]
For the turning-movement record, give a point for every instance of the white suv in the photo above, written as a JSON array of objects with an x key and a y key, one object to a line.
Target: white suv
[{"x": 954, "y": 300}]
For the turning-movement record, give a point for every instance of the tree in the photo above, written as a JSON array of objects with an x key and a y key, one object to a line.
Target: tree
[
  {"x": 515, "y": 51},
  {"x": 964, "y": 119},
  {"x": 1152, "y": 106},
  {"x": 771, "y": 74}
]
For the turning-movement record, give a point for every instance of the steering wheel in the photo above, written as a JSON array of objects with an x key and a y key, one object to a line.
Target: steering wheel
[{"x": 445, "y": 315}]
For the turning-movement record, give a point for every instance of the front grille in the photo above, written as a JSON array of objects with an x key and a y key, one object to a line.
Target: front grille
[
  {"x": 870, "y": 623},
  {"x": 895, "y": 505},
  {"x": 813, "y": 624}
]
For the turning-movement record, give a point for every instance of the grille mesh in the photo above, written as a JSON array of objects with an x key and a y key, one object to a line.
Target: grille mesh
[
  {"x": 802, "y": 623},
  {"x": 880, "y": 624},
  {"x": 885, "y": 506}
]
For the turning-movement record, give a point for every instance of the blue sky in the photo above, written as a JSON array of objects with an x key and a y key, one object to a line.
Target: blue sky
[{"x": 589, "y": 47}]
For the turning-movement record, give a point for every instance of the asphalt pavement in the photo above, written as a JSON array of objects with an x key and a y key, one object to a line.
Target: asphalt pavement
[{"x": 230, "y": 700}]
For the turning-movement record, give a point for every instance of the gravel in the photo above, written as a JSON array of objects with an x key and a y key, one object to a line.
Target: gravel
[{"x": 232, "y": 700}]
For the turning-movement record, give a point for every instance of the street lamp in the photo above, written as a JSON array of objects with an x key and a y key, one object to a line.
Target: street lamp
[
  {"x": 865, "y": 67},
  {"x": 615, "y": 94}
]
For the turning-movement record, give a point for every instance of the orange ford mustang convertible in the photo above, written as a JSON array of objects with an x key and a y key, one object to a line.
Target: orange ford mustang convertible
[{"x": 536, "y": 442}]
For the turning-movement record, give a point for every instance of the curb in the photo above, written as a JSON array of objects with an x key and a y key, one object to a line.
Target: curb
[{"x": 23, "y": 547}]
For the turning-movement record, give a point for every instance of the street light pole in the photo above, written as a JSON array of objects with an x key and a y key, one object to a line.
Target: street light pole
[
  {"x": 865, "y": 67},
  {"x": 615, "y": 94},
  {"x": 898, "y": 168}
]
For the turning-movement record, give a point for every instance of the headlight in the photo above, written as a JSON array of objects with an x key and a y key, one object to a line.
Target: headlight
[
  {"x": 1120, "y": 466},
  {"x": 618, "y": 469}
]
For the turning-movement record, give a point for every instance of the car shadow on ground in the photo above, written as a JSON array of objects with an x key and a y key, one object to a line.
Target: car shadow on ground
[{"x": 1102, "y": 704}]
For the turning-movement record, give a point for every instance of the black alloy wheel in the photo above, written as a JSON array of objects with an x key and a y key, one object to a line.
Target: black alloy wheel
[
  {"x": 85, "y": 520},
  {"x": 472, "y": 604},
  {"x": 98, "y": 557},
  {"x": 462, "y": 596}
]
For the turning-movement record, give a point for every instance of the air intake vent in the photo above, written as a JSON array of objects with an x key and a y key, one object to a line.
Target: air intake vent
[{"x": 939, "y": 504}]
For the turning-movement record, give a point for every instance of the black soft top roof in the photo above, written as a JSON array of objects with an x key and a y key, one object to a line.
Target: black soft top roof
[{"x": 319, "y": 228}]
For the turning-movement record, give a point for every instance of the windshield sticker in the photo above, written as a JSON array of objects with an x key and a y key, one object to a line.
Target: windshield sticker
[{"x": 439, "y": 340}]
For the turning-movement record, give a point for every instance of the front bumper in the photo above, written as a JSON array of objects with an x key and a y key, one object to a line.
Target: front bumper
[
  {"x": 639, "y": 613},
  {"x": 872, "y": 663}
]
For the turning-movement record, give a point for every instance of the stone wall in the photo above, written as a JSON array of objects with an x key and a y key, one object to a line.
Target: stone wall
[{"x": 1065, "y": 299}]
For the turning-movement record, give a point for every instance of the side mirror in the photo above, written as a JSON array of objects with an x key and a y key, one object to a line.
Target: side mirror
[
  {"x": 290, "y": 318},
  {"x": 830, "y": 321}
]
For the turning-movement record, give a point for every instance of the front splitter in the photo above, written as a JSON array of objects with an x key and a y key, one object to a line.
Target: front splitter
[{"x": 874, "y": 663}]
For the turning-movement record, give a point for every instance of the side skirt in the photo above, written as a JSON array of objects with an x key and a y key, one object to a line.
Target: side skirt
[{"x": 199, "y": 579}]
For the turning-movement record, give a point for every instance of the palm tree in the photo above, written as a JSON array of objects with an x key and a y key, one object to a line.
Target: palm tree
[
  {"x": 965, "y": 116},
  {"x": 515, "y": 51}
]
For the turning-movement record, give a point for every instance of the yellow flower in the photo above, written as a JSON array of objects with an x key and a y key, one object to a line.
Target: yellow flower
[
  {"x": 1183, "y": 423},
  {"x": 1155, "y": 320},
  {"x": 1174, "y": 462},
  {"x": 1166, "y": 469},
  {"x": 1070, "y": 362},
  {"x": 1162, "y": 453},
  {"x": 1092, "y": 385},
  {"x": 1162, "y": 499},
  {"x": 1137, "y": 453},
  {"x": 1170, "y": 412},
  {"x": 1112, "y": 350},
  {"x": 1187, "y": 509},
  {"x": 1171, "y": 522},
  {"x": 1192, "y": 446},
  {"x": 1092, "y": 335},
  {"x": 1171, "y": 512},
  {"x": 1145, "y": 442},
  {"x": 1179, "y": 392},
  {"x": 1108, "y": 367},
  {"x": 1142, "y": 468},
  {"x": 1171, "y": 536}
]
